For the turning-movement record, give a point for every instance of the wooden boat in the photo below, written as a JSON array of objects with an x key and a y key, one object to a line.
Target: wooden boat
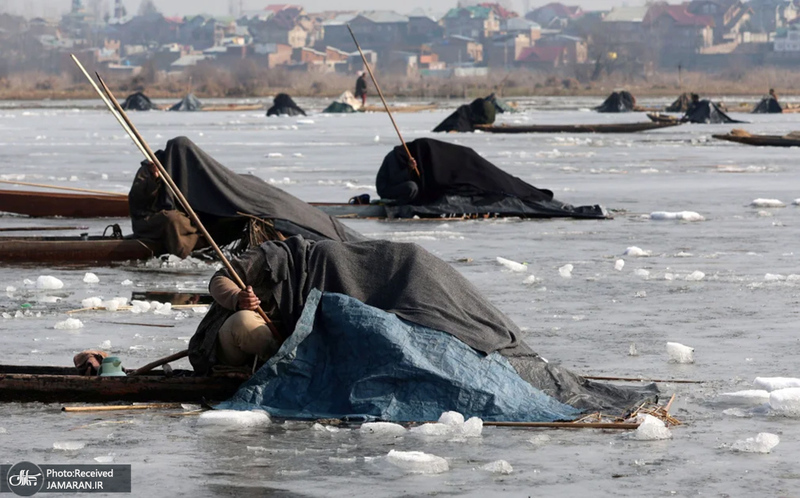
[
  {"x": 400, "y": 108},
  {"x": 578, "y": 128},
  {"x": 67, "y": 250},
  {"x": 68, "y": 205},
  {"x": 62, "y": 205},
  {"x": 790, "y": 140},
  {"x": 658, "y": 117},
  {"x": 233, "y": 107},
  {"x": 64, "y": 384}
]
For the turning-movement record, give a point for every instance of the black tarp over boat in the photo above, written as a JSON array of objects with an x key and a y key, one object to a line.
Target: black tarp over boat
[
  {"x": 705, "y": 111},
  {"x": 622, "y": 101},
  {"x": 768, "y": 105},
  {"x": 188, "y": 103},
  {"x": 283, "y": 105},
  {"x": 138, "y": 102},
  {"x": 477, "y": 112},
  {"x": 455, "y": 179}
]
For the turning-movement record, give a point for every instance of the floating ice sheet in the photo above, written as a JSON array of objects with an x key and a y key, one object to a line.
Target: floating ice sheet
[
  {"x": 680, "y": 216},
  {"x": 382, "y": 429},
  {"x": 650, "y": 429},
  {"x": 418, "y": 462},
  {"x": 619, "y": 264},
  {"x": 762, "y": 443},
  {"x": 566, "y": 271},
  {"x": 785, "y": 402},
  {"x": 767, "y": 203},
  {"x": 69, "y": 324},
  {"x": 49, "y": 283},
  {"x": 678, "y": 353},
  {"x": 636, "y": 251},
  {"x": 498, "y": 467},
  {"x": 512, "y": 265},
  {"x": 775, "y": 383},
  {"x": 233, "y": 418},
  {"x": 69, "y": 445},
  {"x": 91, "y": 278}
]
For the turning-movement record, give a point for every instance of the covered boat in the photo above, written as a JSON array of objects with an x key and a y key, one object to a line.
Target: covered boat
[
  {"x": 707, "y": 112},
  {"x": 456, "y": 179},
  {"x": 681, "y": 104},
  {"x": 187, "y": 104},
  {"x": 27, "y": 383},
  {"x": 622, "y": 101},
  {"x": 283, "y": 105},
  {"x": 467, "y": 117},
  {"x": 768, "y": 105},
  {"x": 346, "y": 103},
  {"x": 138, "y": 102}
]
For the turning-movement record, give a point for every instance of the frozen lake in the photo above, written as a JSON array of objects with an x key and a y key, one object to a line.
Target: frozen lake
[{"x": 741, "y": 318}]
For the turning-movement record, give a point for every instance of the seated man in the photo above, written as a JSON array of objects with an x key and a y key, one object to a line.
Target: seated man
[
  {"x": 154, "y": 219},
  {"x": 399, "y": 278}
]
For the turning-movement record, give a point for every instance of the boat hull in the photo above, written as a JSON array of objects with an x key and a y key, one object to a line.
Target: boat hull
[
  {"x": 760, "y": 140},
  {"x": 47, "y": 204},
  {"x": 579, "y": 128},
  {"x": 63, "y": 384},
  {"x": 67, "y": 250}
]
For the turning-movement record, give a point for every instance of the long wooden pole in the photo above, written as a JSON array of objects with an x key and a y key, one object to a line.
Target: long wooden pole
[
  {"x": 162, "y": 361},
  {"x": 139, "y": 141},
  {"x": 57, "y": 187},
  {"x": 412, "y": 161}
]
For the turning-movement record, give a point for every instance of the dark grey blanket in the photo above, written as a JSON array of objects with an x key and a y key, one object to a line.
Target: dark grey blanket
[
  {"x": 215, "y": 191},
  {"x": 408, "y": 281}
]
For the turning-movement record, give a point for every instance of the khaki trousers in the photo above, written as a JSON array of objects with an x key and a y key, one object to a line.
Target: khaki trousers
[{"x": 244, "y": 335}]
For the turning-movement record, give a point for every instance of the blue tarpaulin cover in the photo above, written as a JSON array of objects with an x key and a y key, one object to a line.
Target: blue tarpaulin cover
[{"x": 349, "y": 360}]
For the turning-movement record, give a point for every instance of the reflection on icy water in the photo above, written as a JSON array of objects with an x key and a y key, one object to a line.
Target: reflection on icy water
[{"x": 740, "y": 317}]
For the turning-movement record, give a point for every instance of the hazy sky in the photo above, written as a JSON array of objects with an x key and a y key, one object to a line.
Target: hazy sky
[{"x": 53, "y": 8}]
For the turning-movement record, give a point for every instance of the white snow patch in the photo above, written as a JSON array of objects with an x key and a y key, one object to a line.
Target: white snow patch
[
  {"x": 48, "y": 282},
  {"x": 678, "y": 353},
  {"x": 417, "y": 462},
  {"x": 767, "y": 203},
  {"x": 762, "y": 443},
  {"x": 650, "y": 429},
  {"x": 636, "y": 251},
  {"x": 69, "y": 324},
  {"x": 695, "y": 276},
  {"x": 512, "y": 265},
  {"x": 382, "y": 429},
  {"x": 90, "y": 278},
  {"x": 753, "y": 396},
  {"x": 233, "y": 418},
  {"x": 786, "y": 402},
  {"x": 498, "y": 467},
  {"x": 775, "y": 383},
  {"x": 679, "y": 215}
]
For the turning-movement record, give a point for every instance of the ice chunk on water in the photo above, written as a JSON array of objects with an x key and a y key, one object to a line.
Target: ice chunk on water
[
  {"x": 775, "y": 383},
  {"x": 233, "y": 418},
  {"x": 382, "y": 429},
  {"x": 678, "y": 353},
  {"x": 539, "y": 439},
  {"x": 48, "y": 282},
  {"x": 11, "y": 288},
  {"x": 139, "y": 306},
  {"x": 92, "y": 302},
  {"x": 69, "y": 324},
  {"x": 105, "y": 344},
  {"x": 756, "y": 396},
  {"x": 377, "y": 139},
  {"x": 435, "y": 429},
  {"x": 566, "y": 271},
  {"x": 767, "y": 203},
  {"x": 762, "y": 443},
  {"x": 530, "y": 280},
  {"x": 163, "y": 309},
  {"x": 69, "y": 445},
  {"x": 632, "y": 351},
  {"x": 636, "y": 251},
  {"x": 472, "y": 427},
  {"x": 512, "y": 265},
  {"x": 111, "y": 305},
  {"x": 324, "y": 428},
  {"x": 680, "y": 215},
  {"x": 90, "y": 278},
  {"x": 641, "y": 272},
  {"x": 126, "y": 282},
  {"x": 619, "y": 264},
  {"x": 773, "y": 277},
  {"x": 451, "y": 418},
  {"x": 650, "y": 429},
  {"x": 695, "y": 276},
  {"x": 104, "y": 459},
  {"x": 498, "y": 467},
  {"x": 28, "y": 281},
  {"x": 785, "y": 402},
  {"x": 418, "y": 462}
]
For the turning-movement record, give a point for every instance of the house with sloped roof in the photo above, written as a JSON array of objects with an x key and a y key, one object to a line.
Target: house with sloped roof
[
  {"x": 674, "y": 31},
  {"x": 730, "y": 16},
  {"x": 554, "y": 15},
  {"x": 458, "y": 50},
  {"x": 477, "y": 22},
  {"x": 424, "y": 26},
  {"x": 375, "y": 29},
  {"x": 538, "y": 58},
  {"x": 769, "y": 15}
]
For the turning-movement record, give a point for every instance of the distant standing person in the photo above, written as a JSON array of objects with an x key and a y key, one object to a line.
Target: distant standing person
[{"x": 361, "y": 88}]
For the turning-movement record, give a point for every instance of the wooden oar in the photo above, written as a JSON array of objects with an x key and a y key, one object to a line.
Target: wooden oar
[
  {"x": 412, "y": 162},
  {"x": 39, "y": 229},
  {"x": 139, "y": 141},
  {"x": 57, "y": 187},
  {"x": 162, "y": 361}
]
